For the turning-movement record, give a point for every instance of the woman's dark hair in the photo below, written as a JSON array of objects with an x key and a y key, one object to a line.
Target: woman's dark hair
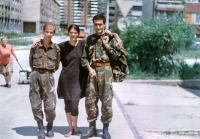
[
  {"x": 99, "y": 17},
  {"x": 74, "y": 26}
]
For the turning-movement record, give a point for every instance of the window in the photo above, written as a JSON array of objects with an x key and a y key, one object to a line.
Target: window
[
  {"x": 193, "y": 1},
  {"x": 197, "y": 18},
  {"x": 137, "y": 8}
]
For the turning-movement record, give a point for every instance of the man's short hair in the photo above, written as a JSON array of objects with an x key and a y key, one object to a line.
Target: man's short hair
[
  {"x": 49, "y": 24},
  {"x": 99, "y": 17}
]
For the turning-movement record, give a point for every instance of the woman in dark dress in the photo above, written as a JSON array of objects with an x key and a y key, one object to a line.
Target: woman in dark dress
[{"x": 69, "y": 87}]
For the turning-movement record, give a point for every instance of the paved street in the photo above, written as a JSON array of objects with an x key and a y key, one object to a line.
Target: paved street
[
  {"x": 161, "y": 112},
  {"x": 141, "y": 111}
]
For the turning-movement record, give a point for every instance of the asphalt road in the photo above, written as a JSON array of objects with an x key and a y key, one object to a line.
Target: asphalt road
[
  {"x": 16, "y": 117},
  {"x": 141, "y": 111}
]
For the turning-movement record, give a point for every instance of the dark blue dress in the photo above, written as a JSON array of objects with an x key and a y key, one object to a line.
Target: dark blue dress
[{"x": 71, "y": 80}]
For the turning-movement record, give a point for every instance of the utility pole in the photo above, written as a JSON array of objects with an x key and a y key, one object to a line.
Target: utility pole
[
  {"x": 69, "y": 13},
  {"x": 85, "y": 12},
  {"x": 107, "y": 14}
]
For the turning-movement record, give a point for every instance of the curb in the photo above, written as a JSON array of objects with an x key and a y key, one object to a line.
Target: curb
[{"x": 193, "y": 84}]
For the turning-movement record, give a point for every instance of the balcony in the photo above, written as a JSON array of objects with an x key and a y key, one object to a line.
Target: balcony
[
  {"x": 170, "y": 1},
  {"x": 170, "y": 7},
  {"x": 7, "y": 4}
]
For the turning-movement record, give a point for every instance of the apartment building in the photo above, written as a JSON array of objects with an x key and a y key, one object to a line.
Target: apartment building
[
  {"x": 62, "y": 11},
  {"x": 74, "y": 12},
  {"x": 63, "y": 14},
  {"x": 35, "y": 13},
  {"x": 79, "y": 11},
  {"x": 168, "y": 6},
  {"x": 192, "y": 10},
  {"x": 10, "y": 15},
  {"x": 147, "y": 9}
]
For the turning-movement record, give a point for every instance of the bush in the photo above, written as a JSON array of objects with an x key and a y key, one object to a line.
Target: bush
[
  {"x": 187, "y": 72},
  {"x": 151, "y": 45},
  {"x": 20, "y": 42},
  {"x": 12, "y": 35}
]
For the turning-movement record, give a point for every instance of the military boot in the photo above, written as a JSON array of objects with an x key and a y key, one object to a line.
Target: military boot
[
  {"x": 92, "y": 131},
  {"x": 41, "y": 134},
  {"x": 106, "y": 134},
  {"x": 50, "y": 132}
]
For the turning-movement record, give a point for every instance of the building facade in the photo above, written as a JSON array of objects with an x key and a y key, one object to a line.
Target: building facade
[
  {"x": 10, "y": 15},
  {"x": 192, "y": 10},
  {"x": 169, "y": 7},
  {"x": 36, "y": 12},
  {"x": 62, "y": 11},
  {"x": 147, "y": 10}
]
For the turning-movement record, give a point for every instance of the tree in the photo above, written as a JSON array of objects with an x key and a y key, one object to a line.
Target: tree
[{"x": 152, "y": 44}]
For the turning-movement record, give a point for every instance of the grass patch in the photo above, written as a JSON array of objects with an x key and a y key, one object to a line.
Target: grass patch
[
  {"x": 12, "y": 35},
  {"x": 187, "y": 54},
  {"x": 181, "y": 71},
  {"x": 20, "y": 42},
  {"x": 149, "y": 76}
]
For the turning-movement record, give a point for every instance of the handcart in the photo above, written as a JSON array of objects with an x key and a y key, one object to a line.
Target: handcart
[{"x": 24, "y": 76}]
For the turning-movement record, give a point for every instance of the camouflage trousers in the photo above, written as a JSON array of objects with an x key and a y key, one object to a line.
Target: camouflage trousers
[
  {"x": 100, "y": 87},
  {"x": 42, "y": 90},
  {"x": 7, "y": 69}
]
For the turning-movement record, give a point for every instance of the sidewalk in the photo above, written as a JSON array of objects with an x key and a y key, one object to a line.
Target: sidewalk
[
  {"x": 160, "y": 111},
  {"x": 194, "y": 84}
]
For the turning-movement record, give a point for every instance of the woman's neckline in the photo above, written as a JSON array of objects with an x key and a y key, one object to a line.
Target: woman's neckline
[
  {"x": 3, "y": 46},
  {"x": 74, "y": 44}
]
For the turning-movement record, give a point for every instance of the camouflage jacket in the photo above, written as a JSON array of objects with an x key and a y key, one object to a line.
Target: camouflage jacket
[
  {"x": 115, "y": 54},
  {"x": 43, "y": 58}
]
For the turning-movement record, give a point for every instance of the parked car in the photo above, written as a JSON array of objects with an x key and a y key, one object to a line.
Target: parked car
[
  {"x": 195, "y": 46},
  {"x": 82, "y": 33}
]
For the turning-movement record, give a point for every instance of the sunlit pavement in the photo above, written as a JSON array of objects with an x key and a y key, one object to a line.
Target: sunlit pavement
[{"x": 141, "y": 110}]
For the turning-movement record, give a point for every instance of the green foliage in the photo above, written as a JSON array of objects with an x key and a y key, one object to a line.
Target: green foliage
[
  {"x": 183, "y": 1},
  {"x": 187, "y": 72},
  {"x": 20, "y": 42},
  {"x": 152, "y": 44},
  {"x": 187, "y": 54},
  {"x": 116, "y": 29},
  {"x": 18, "y": 39},
  {"x": 12, "y": 35}
]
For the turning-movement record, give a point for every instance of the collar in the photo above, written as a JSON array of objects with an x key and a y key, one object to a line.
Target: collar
[
  {"x": 99, "y": 36},
  {"x": 41, "y": 44}
]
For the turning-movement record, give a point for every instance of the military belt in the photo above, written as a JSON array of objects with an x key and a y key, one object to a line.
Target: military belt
[
  {"x": 44, "y": 71},
  {"x": 100, "y": 64}
]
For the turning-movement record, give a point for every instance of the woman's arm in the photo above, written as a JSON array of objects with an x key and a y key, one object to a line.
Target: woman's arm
[{"x": 13, "y": 53}]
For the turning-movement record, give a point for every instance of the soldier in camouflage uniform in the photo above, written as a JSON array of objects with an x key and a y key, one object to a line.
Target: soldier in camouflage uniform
[
  {"x": 100, "y": 53},
  {"x": 44, "y": 61}
]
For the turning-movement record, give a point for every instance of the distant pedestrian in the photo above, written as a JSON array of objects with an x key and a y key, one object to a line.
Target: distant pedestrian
[
  {"x": 44, "y": 60},
  {"x": 104, "y": 57},
  {"x": 6, "y": 60}
]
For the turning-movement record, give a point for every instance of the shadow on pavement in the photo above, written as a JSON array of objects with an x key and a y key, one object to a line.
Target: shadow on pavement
[
  {"x": 193, "y": 91},
  {"x": 26, "y": 130},
  {"x": 2, "y": 85},
  {"x": 33, "y": 130}
]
